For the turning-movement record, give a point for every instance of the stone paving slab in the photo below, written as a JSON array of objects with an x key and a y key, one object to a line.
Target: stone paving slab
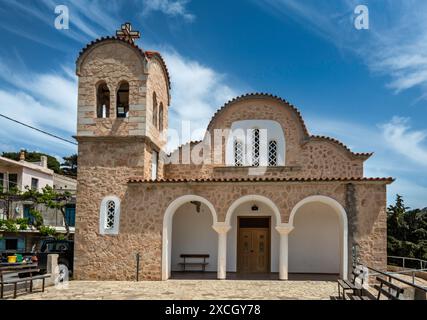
[{"x": 190, "y": 290}]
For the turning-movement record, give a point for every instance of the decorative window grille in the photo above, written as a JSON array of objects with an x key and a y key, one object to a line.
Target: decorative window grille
[
  {"x": 255, "y": 147},
  {"x": 110, "y": 215},
  {"x": 111, "y": 212},
  {"x": 238, "y": 153},
  {"x": 272, "y": 153}
]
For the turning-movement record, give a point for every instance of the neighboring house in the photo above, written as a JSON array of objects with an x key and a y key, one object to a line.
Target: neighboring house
[
  {"x": 35, "y": 175},
  {"x": 266, "y": 197}
]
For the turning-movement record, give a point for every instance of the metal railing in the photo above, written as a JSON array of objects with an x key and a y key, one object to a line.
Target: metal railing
[
  {"x": 390, "y": 276},
  {"x": 423, "y": 263}
]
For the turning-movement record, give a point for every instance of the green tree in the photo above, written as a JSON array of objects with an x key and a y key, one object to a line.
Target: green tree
[
  {"x": 406, "y": 231},
  {"x": 69, "y": 166},
  {"x": 52, "y": 199}
]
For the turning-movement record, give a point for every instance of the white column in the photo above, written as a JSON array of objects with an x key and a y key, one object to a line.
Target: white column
[
  {"x": 222, "y": 228},
  {"x": 283, "y": 230}
]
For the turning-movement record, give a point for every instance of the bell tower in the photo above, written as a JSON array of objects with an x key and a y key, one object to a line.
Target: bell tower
[
  {"x": 123, "y": 99},
  {"x": 123, "y": 102}
]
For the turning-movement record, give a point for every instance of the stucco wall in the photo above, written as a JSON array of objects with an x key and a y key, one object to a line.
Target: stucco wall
[
  {"x": 314, "y": 244},
  {"x": 197, "y": 237},
  {"x": 44, "y": 179}
]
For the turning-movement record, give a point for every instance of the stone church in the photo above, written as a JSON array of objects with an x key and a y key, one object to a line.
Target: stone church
[{"x": 258, "y": 195}]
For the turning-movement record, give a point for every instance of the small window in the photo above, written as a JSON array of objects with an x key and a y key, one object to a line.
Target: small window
[
  {"x": 13, "y": 181},
  {"x": 1, "y": 181},
  {"x": 161, "y": 117},
  {"x": 103, "y": 101},
  {"x": 109, "y": 215},
  {"x": 255, "y": 147},
  {"x": 154, "y": 164},
  {"x": 272, "y": 153},
  {"x": 154, "y": 110},
  {"x": 34, "y": 184},
  {"x": 11, "y": 244},
  {"x": 238, "y": 153},
  {"x": 123, "y": 100}
]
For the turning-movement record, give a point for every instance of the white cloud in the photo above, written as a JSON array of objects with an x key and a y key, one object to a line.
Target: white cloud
[
  {"x": 197, "y": 92},
  {"x": 173, "y": 8},
  {"x": 402, "y": 140},
  {"x": 395, "y": 45}
]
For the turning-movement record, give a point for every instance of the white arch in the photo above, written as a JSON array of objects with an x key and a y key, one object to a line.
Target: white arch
[
  {"x": 253, "y": 197},
  {"x": 343, "y": 224},
  {"x": 167, "y": 228}
]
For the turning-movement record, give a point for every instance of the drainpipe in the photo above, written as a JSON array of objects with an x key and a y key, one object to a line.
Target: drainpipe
[{"x": 137, "y": 266}]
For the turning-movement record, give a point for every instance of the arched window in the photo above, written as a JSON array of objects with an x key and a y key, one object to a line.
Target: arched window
[
  {"x": 102, "y": 101},
  {"x": 255, "y": 147},
  {"x": 272, "y": 153},
  {"x": 154, "y": 110},
  {"x": 238, "y": 153},
  {"x": 161, "y": 117},
  {"x": 123, "y": 100},
  {"x": 109, "y": 216}
]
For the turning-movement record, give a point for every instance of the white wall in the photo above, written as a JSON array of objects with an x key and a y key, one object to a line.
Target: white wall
[
  {"x": 44, "y": 179},
  {"x": 242, "y": 130},
  {"x": 192, "y": 232},
  {"x": 245, "y": 210},
  {"x": 314, "y": 244}
]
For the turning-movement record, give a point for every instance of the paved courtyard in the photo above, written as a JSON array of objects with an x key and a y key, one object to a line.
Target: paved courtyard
[{"x": 190, "y": 289}]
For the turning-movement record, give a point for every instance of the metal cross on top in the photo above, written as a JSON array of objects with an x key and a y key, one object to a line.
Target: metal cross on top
[{"x": 126, "y": 33}]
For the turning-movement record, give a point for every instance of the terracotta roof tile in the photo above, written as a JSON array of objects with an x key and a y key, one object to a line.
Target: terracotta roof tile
[
  {"x": 261, "y": 179},
  {"x": 260, "y": 95}
]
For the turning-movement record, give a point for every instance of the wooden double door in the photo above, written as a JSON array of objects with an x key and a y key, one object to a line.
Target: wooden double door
[{"x": 253, "y": 245}]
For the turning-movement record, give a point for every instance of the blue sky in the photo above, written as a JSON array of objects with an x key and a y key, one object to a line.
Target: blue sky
[{"x": 367, "y": 88}]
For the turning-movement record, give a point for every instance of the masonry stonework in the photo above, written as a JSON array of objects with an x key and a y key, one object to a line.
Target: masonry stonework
[{"x": 116, "y": 159}]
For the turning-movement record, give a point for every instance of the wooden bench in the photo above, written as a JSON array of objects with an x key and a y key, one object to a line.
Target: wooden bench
[
  {"x": 23, "y": 274},
  {"x": 194, "y": 263},
  {"x": 347, "y": 285},
  {"x": 388, "y": 289}
]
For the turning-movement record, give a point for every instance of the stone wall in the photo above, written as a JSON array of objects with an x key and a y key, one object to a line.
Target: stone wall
[
  {"x": 306, "y": 156},
  {"x": 157, "y": 83},
  {"x": 112, "y": 62},
  {"x": 144, "y": 204}
]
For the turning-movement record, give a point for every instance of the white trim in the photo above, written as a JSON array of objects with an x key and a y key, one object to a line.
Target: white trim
[
  {"x": 253, "y": 197},
  {"x": 103, "y": 216},
  {"x": 242, "y": 130},
  {"x": 167, "y": 228},
  {"x": 343, "y": 224}
]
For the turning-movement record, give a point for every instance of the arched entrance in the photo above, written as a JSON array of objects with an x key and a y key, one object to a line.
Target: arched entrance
[
  {"x": 252, "y": 242},
  {"x": 192, "y": 231},
  {"x": 318, "y": 242}
]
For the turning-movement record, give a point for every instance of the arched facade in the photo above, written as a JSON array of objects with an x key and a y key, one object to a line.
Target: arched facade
[
  {"x": 167, "y": 228},
  {"x": 339, "y": 211},
  {"x": 269, "y": 187}
]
